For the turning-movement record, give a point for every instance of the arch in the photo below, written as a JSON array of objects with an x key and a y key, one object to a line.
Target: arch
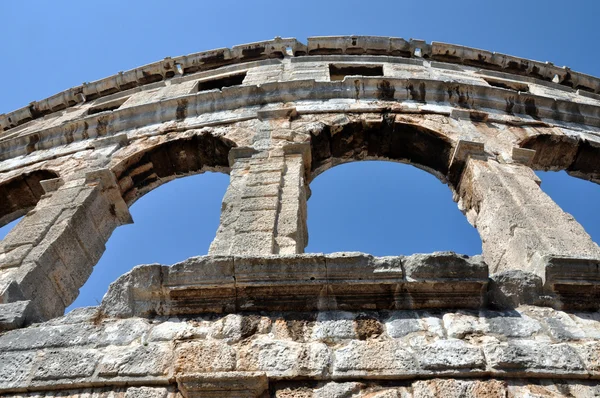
[
  {"x": 579, "y": 157},
  {"x": 384, "y": 198},
  {"x": 21, "y": 193},
  {"x": 153, "y": 165},
  {"x": 177, "y": 220},
  {"x": 385, "y": 140}
]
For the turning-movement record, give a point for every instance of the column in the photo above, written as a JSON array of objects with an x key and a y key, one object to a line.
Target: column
[
  {"x": 264, "y": 208},
  {"x": 50, "y": 254},
  {"x": 520, "y": 226}
]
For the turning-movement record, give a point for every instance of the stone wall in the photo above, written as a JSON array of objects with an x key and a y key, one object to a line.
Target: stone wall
[{"x": 257, "y": 317}]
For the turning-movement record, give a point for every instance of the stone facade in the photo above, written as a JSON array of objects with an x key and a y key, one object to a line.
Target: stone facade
[{"x": 259, "y": 318}]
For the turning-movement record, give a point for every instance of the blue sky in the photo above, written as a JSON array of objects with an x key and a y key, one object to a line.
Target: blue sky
[{"x": 375, "y": 207}]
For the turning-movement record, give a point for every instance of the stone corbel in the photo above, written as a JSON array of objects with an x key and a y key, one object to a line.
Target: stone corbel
[
  {"x": 463, "y": 151},
  {"x": 110, "y": 189}
]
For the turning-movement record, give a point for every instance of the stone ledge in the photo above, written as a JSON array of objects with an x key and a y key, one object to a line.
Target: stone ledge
[{"x": 309, "y": 282}]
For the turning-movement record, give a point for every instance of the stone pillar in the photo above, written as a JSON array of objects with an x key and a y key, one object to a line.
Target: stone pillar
[
  {"x": 264, "y": 208},
  {"x": 50, "y": 254},
  {"x": 520, "y": 226}
]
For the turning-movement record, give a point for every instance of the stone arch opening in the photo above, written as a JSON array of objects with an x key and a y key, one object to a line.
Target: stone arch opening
[
  {"x": 578, "y": 157},
  {"x": 20, "y": 194},
  {"x": 148, "y": 166},
  {"x": 140, "y": 172},
  {"x": 385, "y": 208},
  {"x": 173, "y": 222},
  {"x": 384, "y": 140},
  {"x": 387, "y": 140}
]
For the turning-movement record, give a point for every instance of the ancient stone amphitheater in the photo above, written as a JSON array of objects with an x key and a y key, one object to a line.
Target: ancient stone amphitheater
[{"x": 257, "y": 317}]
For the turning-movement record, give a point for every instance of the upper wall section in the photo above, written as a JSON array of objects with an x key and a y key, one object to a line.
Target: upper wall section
[
  {"x": 350, "y": 74},
  {"x": 490, "y": 67}
]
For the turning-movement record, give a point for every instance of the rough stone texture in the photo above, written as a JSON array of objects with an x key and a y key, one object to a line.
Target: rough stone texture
[{"x": 257, "y": 317}]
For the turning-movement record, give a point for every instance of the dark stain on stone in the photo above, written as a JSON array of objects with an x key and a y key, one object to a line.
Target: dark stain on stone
[
  {"x": 33, "y": 140},
  {"x": 417, "y": 95},
  {"x": 84, "y": 133},
  {"x": 253, "y": 53},
  {"x": 574, "y": 114},
  {"x": 387, "y": 140},
  {"x": 357, "y": 88},
  {"x": 102, "y": 126},
  {"x": 181, "y": 112},
  {"x": 510, "y": 105},
  {"x": 556, "y": 115},
  {"x": 586, "y": 159},
  {"x": 300, "y": 325},
  {"x": 368, "y": 326},
  {"x": 385, "y": 90},
  {"x": 249, "y": 325},
  {"x": 530, "y": 108},
  {"x": 69, "y": 135}
]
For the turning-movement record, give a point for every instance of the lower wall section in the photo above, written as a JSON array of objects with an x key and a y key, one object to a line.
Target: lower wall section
[
  {"x": 451, "y": 388},
  {"x": 454, "y": 353}
]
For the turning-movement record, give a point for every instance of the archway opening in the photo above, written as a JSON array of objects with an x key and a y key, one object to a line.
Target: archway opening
[
  {"x": 173, "y": 222},
  {"x": 386, "y": 208}
]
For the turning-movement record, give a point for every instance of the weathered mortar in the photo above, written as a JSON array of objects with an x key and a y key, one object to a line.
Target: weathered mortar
[{"x": 257, "y": 317}]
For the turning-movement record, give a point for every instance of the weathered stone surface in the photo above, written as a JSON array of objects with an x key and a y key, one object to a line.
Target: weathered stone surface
[
  {"x": 15, "y": 368},
  {"x": 284, "y": 358},
  {"x": 533, "y": 356},
  {"x": 257, "y": 317},
  {"x": 451, "y": 354},
  {"x": 66, "y": 364},
  {"x": 374, "y": 358},
  {"x": 138, "y": 360},
  {"x": 204, "y": 356}
]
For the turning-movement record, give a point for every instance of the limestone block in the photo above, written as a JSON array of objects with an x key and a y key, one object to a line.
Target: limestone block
[
  {"x": 453, "y": 388},
  {"x": 285, "y": 358},
  {"x": 450, "y": 354},
  {"x": 510, "y": 324},
  {"x": 136, "y": 361},
  {"x": 122, "y": 332},
  {"x": 204, "y": 356},
  {"x": 176, "y": 330},
  {"x": 402, "y": 323},
  {"x": 13, "y": 315},
  {"x": 15, "y": 368},
  {"x": 234, "y": 327},
  {"x": 337, "y": 390},
  {"x": 146, "y": 392},
  {"x": 66, "y": 364},
  {"x": 533, "y": 356},
  {"x": 333, "y": 327},
  {"x": 374, "y": 358}
]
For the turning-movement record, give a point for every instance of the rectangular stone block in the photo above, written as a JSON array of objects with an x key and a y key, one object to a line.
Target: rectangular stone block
[
  {"x": 285, "y": 358},
  {"x": 66, "y": 364},
  {"x": 204, "y": 356},
  {"x": 13, "y": 315},
  {"x": 260, "y": 191},
  {"x": 14, "y": 257},
  {"x": 374, "y": 358},
  {"x": 23, "y": 234},
  {"x": 266, "y": 178},
  {"x": 257, "y": 220},
  {"x": 262, "y": 203},
  {"x": 252, "y": 243},
  {"x": 533, "y": 356},
  {"x": 136, "y": 361},
  {"x": 15, "y": 368}
]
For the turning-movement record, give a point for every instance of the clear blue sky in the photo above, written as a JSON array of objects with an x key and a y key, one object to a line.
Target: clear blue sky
[{"x": 375, "y": 207}]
